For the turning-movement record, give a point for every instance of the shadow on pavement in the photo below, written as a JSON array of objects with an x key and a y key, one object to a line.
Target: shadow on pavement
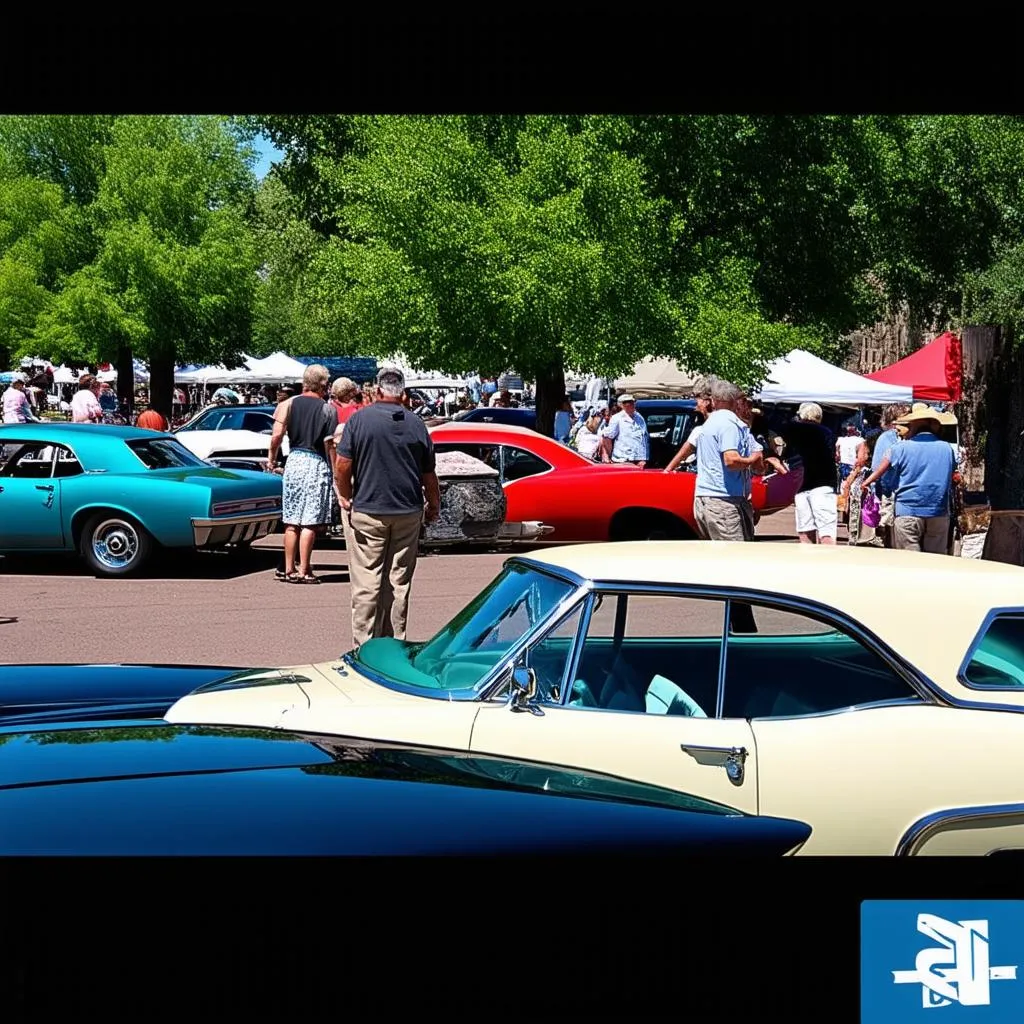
[{"x": 187, "y": 565}]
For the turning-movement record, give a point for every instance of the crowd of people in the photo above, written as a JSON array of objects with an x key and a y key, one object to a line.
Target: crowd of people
[{"x": 895, "y": 481}]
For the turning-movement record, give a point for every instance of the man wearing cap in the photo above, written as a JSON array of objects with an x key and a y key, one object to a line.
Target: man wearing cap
[
  {"x": 924, "y": 465},
  {"x": 384, "y": 464},
  {"x": 625, "y": 439}
]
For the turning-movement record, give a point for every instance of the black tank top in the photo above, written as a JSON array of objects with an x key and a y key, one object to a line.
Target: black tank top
[{"x": 310, "y": 420}]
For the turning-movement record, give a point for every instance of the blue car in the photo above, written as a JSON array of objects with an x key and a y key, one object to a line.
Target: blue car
[
  {"x": 118, "y": 494},
  {"x": 519, "y": 417},
  {"x": 86, "y": 769}
]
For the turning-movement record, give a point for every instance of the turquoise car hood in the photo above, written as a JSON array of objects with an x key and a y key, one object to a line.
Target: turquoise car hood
[{"x": 236, "y": 483}]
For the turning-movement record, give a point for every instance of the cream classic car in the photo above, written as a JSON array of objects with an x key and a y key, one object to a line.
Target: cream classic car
[{"x": 876, "y": 695}]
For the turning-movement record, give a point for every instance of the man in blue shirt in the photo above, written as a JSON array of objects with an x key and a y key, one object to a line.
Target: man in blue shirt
[
  {"x": 924, "y": 465},
  {"x": 887, "y": 483},
  {"x": 726, "y": 454},
  {"x": 625, "y": 439}
]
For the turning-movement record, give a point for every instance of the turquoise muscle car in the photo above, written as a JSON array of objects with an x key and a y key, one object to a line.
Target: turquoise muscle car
[{"x": 116, "y": 494}]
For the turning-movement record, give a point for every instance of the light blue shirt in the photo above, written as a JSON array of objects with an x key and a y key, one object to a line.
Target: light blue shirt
[
  {"x": 723, "y": 431},
  {"x": 631, "y": 442},
  {"x": 924, "y": 466},
  {"x": 886, "y": 484},
  {"x": 563, "y": 424}
]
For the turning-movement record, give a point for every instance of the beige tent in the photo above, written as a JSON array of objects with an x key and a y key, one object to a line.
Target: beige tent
[{"x": 657, "y": 378}]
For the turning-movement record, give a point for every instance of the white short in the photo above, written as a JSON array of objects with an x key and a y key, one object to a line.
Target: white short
[{"x": 816, "y": 510}]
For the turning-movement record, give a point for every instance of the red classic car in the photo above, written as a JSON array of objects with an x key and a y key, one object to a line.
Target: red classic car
[{"x": 590, "y": 501}]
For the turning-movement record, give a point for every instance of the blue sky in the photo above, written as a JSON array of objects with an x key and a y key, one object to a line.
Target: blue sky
[{"x": 268, "y": 154}]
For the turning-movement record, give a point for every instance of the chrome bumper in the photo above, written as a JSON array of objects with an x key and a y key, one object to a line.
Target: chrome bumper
[
  {"x": 527, "y": 530},
  {"x": 215, "y": 533}
]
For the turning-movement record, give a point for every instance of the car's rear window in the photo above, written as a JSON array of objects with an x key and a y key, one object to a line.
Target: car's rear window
[
  {"x": 997, "y": 658},
  {"x": 164, "y": 453}
]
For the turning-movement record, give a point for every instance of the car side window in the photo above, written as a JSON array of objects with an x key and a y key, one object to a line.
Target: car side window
[
  {"x": 651, "y": 653},
  {"x": 67, "y": 463},
  {"x": 997, "y": 660},
  {"x": 258, "y": 422},
  {"x": 520, "y": 464},
  {"x": 660, "y": 425},
  {"x": 32, "y": 460},
  {"x": 781, "y": 663}
]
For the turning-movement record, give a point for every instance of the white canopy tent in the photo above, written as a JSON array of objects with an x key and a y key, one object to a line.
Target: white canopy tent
[
  {"x": 275, "y": 368},
  {"x": 657, "y": 377},
  {"x": 64, "y": 375},
  {"x": 802, "y": 377}
]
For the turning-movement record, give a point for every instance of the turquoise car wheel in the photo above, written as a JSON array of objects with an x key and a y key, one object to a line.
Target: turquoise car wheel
[{"x": 115, "y": 545}]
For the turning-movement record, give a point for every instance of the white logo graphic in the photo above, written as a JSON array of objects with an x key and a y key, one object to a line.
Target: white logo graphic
[{"x": 958, "y": 971}]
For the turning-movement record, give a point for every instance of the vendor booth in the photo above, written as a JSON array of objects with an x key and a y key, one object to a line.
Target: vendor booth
[
  {"x": 802, "y": 377},
  {"x": 934, "y": 372},
  {"x": 657, "y": 378}
]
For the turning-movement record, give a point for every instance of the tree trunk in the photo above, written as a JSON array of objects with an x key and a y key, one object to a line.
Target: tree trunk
[
  {"x": 550, "y": 396},
  {"x": 161, "y": 382},
  {"x": 125, "y": 380},
  {"x": 1004, "y": 405},
  {"x": 980, "y": 348}
]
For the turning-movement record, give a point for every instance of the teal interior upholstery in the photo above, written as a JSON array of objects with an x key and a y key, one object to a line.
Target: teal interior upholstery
[{"x": 665, "y": 698}]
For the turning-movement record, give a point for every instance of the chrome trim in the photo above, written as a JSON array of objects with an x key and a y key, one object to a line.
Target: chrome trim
[
  {"x": 895, "y": 702},
  {"x": 723, "y": 657},
  {"x": 577, "y": 650},
  {"x": 986, "y": 623},
  {"x": 921, "y": 684},
  {"x": 924, "y": 828},
  {"x": 202, "y": 528}
]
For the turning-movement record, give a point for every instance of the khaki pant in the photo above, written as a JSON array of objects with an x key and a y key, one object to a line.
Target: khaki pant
[
  {"x": 919, "y": 533},
  {"x": 382, "y": 554},
  {"x": 724, "y": 518}
]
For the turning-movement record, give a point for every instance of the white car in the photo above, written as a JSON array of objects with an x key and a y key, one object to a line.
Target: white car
[
  {"x": 232, "y": 435},
  {"x": 877, "y": 695}
]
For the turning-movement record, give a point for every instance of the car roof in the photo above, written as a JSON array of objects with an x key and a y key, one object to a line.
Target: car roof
[
  {"x": 65, "y": 433},
  {"x": 499, "y": 429},
  {"x": 928, "y": 608}
]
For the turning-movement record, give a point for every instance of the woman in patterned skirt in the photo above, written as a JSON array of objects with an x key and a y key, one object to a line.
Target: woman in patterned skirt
[{"x": 308, "y": 421}]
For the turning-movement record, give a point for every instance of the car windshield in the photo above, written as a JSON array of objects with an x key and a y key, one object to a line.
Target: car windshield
[
  {"x": 464, "y": 652},
  {"x": 165, "y": 453}
]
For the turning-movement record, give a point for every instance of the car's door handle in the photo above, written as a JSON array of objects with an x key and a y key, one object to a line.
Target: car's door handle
[
  {"x": 44, "y": 487},
  {"x": 732, "y": 759}
]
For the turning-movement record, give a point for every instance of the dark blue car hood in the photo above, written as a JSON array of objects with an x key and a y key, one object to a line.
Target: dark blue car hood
[
  {"x": 151, "y": 789},
  {"x": 40, "y": 693}
]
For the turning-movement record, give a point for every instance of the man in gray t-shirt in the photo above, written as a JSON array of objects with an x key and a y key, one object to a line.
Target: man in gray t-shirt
[{"x": 385, "y": 462}]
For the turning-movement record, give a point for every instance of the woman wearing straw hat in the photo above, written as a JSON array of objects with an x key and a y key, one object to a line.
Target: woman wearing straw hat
[{"x": 924, "y": 465}]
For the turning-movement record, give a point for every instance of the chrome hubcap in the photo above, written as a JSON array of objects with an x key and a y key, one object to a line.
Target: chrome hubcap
[{"x": 115, "y": 543}]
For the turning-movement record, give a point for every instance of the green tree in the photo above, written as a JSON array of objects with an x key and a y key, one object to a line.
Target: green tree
[
  {"x": 169, "y": 268},
  {"x": 482, "y": 244},
  {"x": 288, "y": 247}
]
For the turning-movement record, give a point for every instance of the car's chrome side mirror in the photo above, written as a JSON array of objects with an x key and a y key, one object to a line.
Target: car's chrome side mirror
[{"x": 523, "y": 690}]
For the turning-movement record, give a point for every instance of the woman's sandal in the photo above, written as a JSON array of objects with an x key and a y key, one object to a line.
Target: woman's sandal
[
  {"x": 299, "y": 578},
  {"x": 285, "y": 577}
]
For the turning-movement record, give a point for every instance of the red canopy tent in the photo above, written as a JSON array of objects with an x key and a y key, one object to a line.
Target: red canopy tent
[{"x": 935, "y": 372}]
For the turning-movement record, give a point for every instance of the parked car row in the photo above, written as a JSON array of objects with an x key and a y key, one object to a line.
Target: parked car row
[{"x": 632, "y": 697}]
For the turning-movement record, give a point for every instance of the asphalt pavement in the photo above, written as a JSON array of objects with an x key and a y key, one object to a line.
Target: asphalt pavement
[{"x": 221, "y": 608}]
